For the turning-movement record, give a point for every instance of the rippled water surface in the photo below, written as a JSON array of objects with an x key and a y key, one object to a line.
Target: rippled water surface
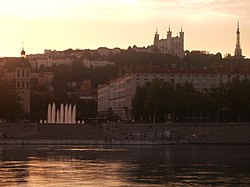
[{"x": 172, "y": 165}]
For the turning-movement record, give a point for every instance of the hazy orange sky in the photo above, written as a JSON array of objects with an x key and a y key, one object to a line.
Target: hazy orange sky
[{"x": 88, "y": 24}]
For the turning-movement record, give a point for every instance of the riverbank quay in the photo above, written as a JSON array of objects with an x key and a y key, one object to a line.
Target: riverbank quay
[{"x": 125, "y": 133}]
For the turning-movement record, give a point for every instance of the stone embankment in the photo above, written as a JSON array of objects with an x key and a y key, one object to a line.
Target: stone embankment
[{"x": 125, "y": 133}]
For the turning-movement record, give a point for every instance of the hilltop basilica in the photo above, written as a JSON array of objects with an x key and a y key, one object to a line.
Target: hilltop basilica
[{"x": 170, "y": 45}]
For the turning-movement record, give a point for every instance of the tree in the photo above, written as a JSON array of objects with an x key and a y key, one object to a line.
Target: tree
[
  {"x": 138, "y": 109},
  {"x": 10, "y": 106},
  {"x": 186, "y": 100},
  {"x": 238, "y": 96},
  {"x": 215, "y": 100},
  {"x": 154, "y": 98}
]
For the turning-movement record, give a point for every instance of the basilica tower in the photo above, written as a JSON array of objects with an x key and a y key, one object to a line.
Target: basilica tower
[
  {"x": 169, "y": 33},
  {"x": 156, "y": 38}
]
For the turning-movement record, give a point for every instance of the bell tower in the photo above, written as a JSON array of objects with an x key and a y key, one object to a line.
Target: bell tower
[
  {"x": 156, "y": 38},
  {"x": 181, "y": 33},
  {"x": 23, "y": 55},
  {"x": 23, "y": 81},
  {"x": 169, "y": 33}
]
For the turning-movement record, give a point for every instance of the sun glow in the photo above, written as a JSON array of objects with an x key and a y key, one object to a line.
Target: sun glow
[{"x": 62, "y": 24}]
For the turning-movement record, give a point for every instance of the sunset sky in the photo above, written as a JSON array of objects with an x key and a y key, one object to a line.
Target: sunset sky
[{"x": 88, "y": 24}]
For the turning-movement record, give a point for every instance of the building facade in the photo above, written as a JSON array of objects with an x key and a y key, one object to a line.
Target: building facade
[
  {"x": 170, "y": 45},
  {"x": 116, "y": 96},
  {"x": 49, "y": 61},
  {"x": 92, "y": 64}
]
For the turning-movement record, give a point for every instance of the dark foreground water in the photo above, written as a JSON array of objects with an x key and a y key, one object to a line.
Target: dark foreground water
[{"x": 172, "y": 165}]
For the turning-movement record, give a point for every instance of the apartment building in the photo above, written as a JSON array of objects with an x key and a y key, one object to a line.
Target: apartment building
[{"x": 92, "y": 64}]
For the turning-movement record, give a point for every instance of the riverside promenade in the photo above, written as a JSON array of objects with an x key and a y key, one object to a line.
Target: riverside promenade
[{"x": 125, "y": 133}]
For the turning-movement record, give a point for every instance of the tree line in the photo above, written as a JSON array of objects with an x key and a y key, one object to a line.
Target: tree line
[
  {"x": 162, "y": 101},
  {"x": 10, "y": 106}
]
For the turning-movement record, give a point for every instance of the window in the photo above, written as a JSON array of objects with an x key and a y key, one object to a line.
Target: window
[
  {"x": 23, "y": 73},
  {"x": 28, "y": 73},
  {"x": 18, "y": 73},
  {"x": 22, "y": 84}
]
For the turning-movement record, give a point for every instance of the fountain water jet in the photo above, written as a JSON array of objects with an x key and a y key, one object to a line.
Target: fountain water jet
[
  {"x": 65, "y": 115},
  {"x": 49, "y": 114}
]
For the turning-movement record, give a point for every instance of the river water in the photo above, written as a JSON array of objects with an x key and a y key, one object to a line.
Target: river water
[{"x": 170, "y": 165}]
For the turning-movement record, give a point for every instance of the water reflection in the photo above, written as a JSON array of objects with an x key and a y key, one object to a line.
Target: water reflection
[{"x": 178, "y": 165}]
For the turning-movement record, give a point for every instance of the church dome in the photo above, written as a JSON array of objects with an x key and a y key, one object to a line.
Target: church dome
[{"x": 22, "y": 52}]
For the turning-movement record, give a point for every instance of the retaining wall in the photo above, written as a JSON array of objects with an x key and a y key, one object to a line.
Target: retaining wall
[{"x": 125, "y": 133}]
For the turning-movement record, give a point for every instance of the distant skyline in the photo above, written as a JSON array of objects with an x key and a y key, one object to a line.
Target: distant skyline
[{"x": 209, "y": 25}]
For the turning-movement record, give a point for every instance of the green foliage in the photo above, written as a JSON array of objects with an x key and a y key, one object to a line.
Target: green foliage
[
  {"x": 198, "y": 58},
  {"x": 130, "y": 57},
  {"x": 138, "y": 108},
  {"x": 238, "y": 96},
  {"x": 228, "y": 102},
  {"x": 78, "y": 72},
  {"x": 186, "y": 100},
  {"x": 10, "y": 107}
]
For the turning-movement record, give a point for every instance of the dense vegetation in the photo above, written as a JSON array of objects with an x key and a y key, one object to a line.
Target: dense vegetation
[
  {"x": 10, "y": 107},
  {"x": 160, "y": 101}
]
